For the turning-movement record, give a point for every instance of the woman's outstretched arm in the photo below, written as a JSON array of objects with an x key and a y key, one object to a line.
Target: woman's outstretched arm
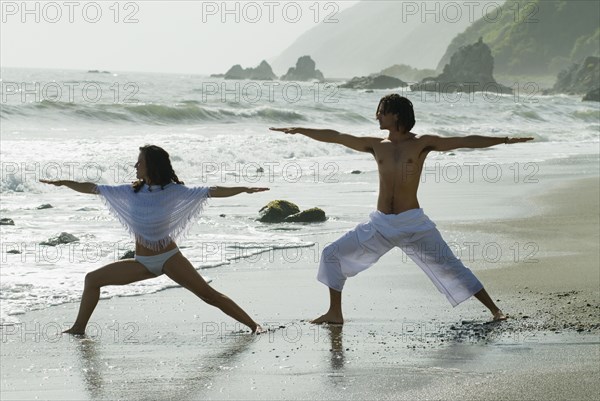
[
  {"x": 83, "y": 187},
  {"x": 226, "y": 192}
]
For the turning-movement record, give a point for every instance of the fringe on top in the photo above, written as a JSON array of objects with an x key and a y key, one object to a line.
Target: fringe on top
[{"x": 155, "y": 216}]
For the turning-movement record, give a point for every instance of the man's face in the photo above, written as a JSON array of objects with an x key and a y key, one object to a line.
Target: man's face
[{"x": 386, "y": 120}]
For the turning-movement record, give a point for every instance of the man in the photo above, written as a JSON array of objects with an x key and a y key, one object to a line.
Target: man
[{"x": 399, "y": 220}]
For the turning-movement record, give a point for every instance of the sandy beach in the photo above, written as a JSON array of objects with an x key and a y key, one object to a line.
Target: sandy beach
[
  {"x": 401, "y": 340},
  {"x": 338, "y": 108}
]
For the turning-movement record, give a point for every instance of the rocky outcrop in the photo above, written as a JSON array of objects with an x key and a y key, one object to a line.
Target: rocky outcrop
[
  {"x": 62, "y": 238},
  {"x": 470, "y": 70},
  {"x": 374, "y": 82},
  {"x": 541, "y": 41},
  {"x": 261, "y": 73},
  {"x": 305, "y": 70},
  {"x": 592, "y": 96},
  {"x": 7, "y": 222},
  {"x": 313, "y": 215},
  {"x": 236, "y": 72},
  {"x": 45, "y": 206},
  {"x": 579, "y": 78}
]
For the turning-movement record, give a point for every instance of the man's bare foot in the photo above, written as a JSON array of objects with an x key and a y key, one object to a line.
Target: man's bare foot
[
  {"x": 259, "y": 330},
  {"x": 329, "y": 317},
  {"x": 499, "y": 316},
  {"x": 75, "y": 331}
]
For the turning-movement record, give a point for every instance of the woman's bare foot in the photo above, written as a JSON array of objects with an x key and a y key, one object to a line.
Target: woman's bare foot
[
  {"x": 329, "y": 317},
  {"x": 499, "y": 316},
  {"x": 258, "y": 330}
]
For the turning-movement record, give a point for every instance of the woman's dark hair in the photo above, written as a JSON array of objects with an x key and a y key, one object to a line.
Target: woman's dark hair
[
  {"x": 158, "y": 167},
  {"x": 400, "y": 106}
]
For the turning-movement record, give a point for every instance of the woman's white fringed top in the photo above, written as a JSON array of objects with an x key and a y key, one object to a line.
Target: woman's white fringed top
[{"x": 155, "y": 216}]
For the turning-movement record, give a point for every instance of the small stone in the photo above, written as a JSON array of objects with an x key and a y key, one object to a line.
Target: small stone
[{"x": 62, "y": 238}]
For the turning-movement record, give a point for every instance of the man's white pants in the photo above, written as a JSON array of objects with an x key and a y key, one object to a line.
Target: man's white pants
[{"x": 416, "y": 235}]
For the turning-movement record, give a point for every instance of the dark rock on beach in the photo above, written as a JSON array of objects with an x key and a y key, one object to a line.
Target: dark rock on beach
[
  {"x": 305, "y": 70},
  {"x": 280, "y": 211},
  {"x": 7, "y": 222},
  {"x": 277, "y": 210},
  {"x": 470, "y": 70},
  {"x": 45, "y": 206},
  {"x": 14, "y": 252},
  {"x": 62, "y": 238},
  {"x": 307, "y": 216},
  {"x": 374, "y": 82},
  {"x": 261, "y": 73}
]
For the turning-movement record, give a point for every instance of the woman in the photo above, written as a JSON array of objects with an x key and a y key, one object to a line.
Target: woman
[{"x": 156, "y": 209}]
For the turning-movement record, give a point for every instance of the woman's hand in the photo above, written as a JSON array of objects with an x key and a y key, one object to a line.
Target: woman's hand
[
  {"x": 83, "y": 187},
  {"x": 510, "y": 140}
]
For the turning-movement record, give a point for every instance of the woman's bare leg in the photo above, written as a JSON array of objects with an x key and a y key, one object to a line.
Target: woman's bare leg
[
  {"x": 118, "y": 273},
  {"x": 180, "y": 270}
]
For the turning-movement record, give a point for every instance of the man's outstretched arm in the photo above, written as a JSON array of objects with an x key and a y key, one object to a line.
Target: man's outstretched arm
[
  {"x": 361, "y": 144},
  {"x": 442, "y": 144}
]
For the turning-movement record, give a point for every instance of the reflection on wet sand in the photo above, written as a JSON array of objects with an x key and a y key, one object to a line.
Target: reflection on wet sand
[
  {"x": 200, "y": 371},
  {"x": 337, "y": 346}
]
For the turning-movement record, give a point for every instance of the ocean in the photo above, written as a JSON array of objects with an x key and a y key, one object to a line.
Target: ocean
[{"x": 88, "y": 126}]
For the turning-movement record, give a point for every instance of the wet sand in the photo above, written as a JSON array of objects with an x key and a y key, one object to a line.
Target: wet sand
[{"x": 401, "y": 340}]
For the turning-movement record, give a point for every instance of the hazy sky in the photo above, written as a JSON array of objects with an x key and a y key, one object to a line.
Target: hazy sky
[{"x": 163, "y": 36}]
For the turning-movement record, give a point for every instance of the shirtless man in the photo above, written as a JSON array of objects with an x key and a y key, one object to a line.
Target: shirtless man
[{"x": 399, "y": 220}]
